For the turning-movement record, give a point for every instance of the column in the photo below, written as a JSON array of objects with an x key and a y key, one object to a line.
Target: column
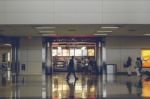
[
  {"x": 99, "y": 56},
  {"x": 15, "y": 63},
  {"x": 48, "y": 58}
]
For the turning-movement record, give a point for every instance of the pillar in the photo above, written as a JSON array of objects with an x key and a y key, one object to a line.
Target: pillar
[{"x": 48, "y": 58}]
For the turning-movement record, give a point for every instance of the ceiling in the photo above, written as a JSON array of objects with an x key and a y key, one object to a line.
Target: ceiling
[{"x": 75, "y": 30}]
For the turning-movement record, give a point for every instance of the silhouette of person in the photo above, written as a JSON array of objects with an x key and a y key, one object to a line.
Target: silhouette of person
[
  {"x": 139, "y": 86},
  {"x": 71, "y": 88},
  {"x": 71, "y": 68},
  {"x": 129, "y": 85}
]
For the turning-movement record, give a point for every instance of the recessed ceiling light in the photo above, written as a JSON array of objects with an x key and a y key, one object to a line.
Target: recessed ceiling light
[
  {"x": 104, "y": 31},
  {"x": 147, "y": 34},
  {"x": 45, "y": 27},
  {"x": 48, "y": 34},
  {"x": 111, "y": 27},
  {"x": 44, "y": 31},
  {"x": 101, "y": 34}
]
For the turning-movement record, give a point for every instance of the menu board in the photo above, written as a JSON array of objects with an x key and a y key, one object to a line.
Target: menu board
[
  {"x": 146, "y": 57},
  {"x": 84, "y": 52},
  {"x": 65, "y": 52},
  {"x": 54, "y": 52},
  {"x": 91, "y": 52},
  {"x": 71, "y": 52},
  {"x": 78, "y": 52}
]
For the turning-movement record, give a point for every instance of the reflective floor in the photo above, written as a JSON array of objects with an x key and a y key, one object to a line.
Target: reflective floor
[{"x": 86, "y": 87}]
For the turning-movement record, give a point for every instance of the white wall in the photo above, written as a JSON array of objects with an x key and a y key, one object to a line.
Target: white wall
[
  {"x": 74, "y": 11},
  {"x": 119, "y": 48},
  {"x": 30, "y": 54}
]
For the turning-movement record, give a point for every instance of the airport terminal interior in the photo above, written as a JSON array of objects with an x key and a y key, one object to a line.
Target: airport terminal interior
[{"x": 74, "y": 49}]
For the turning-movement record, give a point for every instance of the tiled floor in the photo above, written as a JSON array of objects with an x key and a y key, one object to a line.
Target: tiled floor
[{"x": 86, "y": 87}]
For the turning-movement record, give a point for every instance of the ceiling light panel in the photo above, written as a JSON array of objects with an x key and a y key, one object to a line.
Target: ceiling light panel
[
  {"x": 44, "y": 31},
  {"x": 113, "y": 27},
  {"x": 147, "y": 34},
  {"x": 48, "y": 34},
  {"x": 104, "y": 31},
  {"x": 44, "y": 27}
]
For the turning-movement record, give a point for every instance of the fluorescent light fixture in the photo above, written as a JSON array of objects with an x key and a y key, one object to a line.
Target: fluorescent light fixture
[
  {"x": 45, "y": 27},
  {"x": 46, "y": 31},
  {"x": 104, "y": 31},
  {"x": 7, "y": 44},
  {"x": 107, "y": 27},
  {"x": 100, "y": 34},
  {"x": 147, "y": 34},
  {"x": 48, "y": 34}
]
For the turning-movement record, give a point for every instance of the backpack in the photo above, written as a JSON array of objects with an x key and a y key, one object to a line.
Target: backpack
[{"x": 125, "y": 65}]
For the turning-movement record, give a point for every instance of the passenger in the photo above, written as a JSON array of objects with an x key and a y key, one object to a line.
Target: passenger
[
  {"x": 129, "y": 63},
  {"x": 90, "y": 66},
  {"x": 86, "y": 65},
  {"x": 82, "y": 65},
  {"x": 138, "y": 66},
  {"x": 71, "y": 68}
]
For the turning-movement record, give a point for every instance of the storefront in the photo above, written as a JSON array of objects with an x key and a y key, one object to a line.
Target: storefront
[{"x": 59, "y": 51}]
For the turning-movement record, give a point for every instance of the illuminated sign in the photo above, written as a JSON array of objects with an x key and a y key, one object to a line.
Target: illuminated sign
[{"x": 146, "y": 57}]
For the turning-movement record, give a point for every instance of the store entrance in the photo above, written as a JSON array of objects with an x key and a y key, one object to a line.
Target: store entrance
[{"x": 84, "y": 52}]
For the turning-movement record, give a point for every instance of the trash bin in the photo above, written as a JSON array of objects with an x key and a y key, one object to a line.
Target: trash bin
[{"x": 111, "y": 68}]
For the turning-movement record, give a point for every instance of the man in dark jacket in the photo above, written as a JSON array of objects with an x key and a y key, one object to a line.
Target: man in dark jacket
[{"x": 71, "y": 68}]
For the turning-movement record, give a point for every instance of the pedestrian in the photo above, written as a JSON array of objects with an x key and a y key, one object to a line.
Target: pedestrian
[
  {"x": 129, "y": 63},
  {"x": 138, "y": 66},
  {"x": 71, "y": 68}
]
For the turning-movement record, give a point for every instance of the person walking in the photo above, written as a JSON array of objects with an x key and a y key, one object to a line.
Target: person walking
[
  {"x": 138, "y": 66},
  {"x": 129, "y": 63},
  {"x": 71, "y": 68}
]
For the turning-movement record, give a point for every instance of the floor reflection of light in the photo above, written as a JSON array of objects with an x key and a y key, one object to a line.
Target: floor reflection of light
[
  {"x": 83, "y": 95},
  {"x": 59, "y": 95},
  {"x": 43, "y": 94},
  {"x": 92, "y": 89},
  {"x": 110, "y": 78},
  {"x": 146, "y": 89},
  {"x": 9, "y": 76},
  {"x": 43, "y": 88},
  {"x": 104, "y": 93}
]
